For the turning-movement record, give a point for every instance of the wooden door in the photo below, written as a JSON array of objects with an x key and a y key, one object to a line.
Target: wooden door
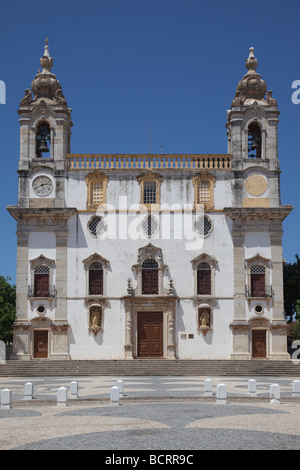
[
  {"x": 150, "y": 334},
  {"x": 41, "y": 343},
  {"x": 41, "y": 285},
  {"x": 258, "y": 288},
  {"x": 259, "y": 344},
  {"x": 96, "y": 282}
]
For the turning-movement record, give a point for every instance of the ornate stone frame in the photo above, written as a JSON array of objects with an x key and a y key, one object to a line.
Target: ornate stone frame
[
  {"x": 201, "y": 177},
  {"x": 150, "y": 252},
  {"x": 42, "y": 261},
  {"x": 95, "y": 258},
  {"x": 212, "y": 262},
  {"x": 95, "y": 176},
  {"x": 260, "y": 261},
  {"x": 150, "y": 176}
]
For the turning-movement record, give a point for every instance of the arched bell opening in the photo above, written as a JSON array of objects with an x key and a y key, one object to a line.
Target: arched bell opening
[
  {"x": 254, "y": 140},
  {"x": 43, "y": 140}
]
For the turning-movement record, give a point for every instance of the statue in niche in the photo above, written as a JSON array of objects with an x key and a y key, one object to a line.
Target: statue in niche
[
  {"x": 204, "y": 319},
  {"x": 95, "y": 317}
]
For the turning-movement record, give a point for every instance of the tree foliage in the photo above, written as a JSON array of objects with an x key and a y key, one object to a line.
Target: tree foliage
[
  {"x": 291, "y": 282},
  {"x": 7, "y": 309}
]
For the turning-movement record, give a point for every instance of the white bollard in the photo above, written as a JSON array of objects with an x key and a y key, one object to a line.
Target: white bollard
[
  {"x": 5, "y": 399},
  {"x": 28, "y": 391},
  {"x": 296, "y": 388},
  {"x": 114, "y": 395},
  {"x": 252, "y": 387},
  {"x": 73, "y": 389},
  {"x": 62, "y": 396},
  {"x": 221, "y": 394},
  {"x": 274, "y": 394},
  {"x": 207, "y": 387},
  {"x": 120, "y": 384}
]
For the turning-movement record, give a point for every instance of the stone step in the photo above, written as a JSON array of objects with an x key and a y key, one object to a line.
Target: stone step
[{"x": 149, "y": 367}]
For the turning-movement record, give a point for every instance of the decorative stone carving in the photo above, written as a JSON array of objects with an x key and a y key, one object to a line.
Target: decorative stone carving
[
  {"x": 27, "y": 98},
  {"x": 95, "y": 319}
]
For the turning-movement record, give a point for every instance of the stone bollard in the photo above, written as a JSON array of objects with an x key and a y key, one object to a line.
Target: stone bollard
[
  {"x": 221, "y": 394},
  {"x": 207, "y": 387},
  {"x": 114, "y": 395},
  {"x": 296, "y": 388},
  {"x": 252, "y": 387},
  {"x": 120, "y": 385},
  {"x": 28, "y": 391},
  {"x": 5, "y": 399},
  {"x": 2, "y": 353},
  {"x": 274, "y": 394},
  {"x": 73, "y": 389},
  {"x": 62, "y": 396}
]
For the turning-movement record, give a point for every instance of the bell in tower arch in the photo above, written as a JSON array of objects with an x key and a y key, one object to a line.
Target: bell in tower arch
[{"x": 42, "y": 138}]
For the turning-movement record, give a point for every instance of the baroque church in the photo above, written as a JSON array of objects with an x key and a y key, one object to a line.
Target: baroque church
[{"x": 152, "y": 255}]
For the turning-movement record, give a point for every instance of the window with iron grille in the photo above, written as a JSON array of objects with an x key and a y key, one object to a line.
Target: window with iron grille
[
  {"x": 150, "y": 277},
  {"x": 258, "y": 281},
  {"x": 203, "y": 279},
  {"x": 96, "y": 226},
  {"x": 149, "y": 192},
  {"x": 149, "y": 225},
  {"x": 203, "y": 192},
  {"x": 96, "y": 193},
  {"x": 96, "y": 279},
  {"x": 203, "y": 226}
]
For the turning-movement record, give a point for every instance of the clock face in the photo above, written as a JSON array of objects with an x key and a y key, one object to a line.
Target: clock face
[{"x": 42, "y": 186}]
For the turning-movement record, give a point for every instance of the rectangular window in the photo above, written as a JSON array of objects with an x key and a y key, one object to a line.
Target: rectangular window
[
  {"x": 203, "y": 192},
  {"x": 96, "y": 192},
  {"x": 149, "y": 192}
]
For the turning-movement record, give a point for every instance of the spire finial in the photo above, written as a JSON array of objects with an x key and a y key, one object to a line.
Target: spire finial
[{"x": 251, "y": 62}]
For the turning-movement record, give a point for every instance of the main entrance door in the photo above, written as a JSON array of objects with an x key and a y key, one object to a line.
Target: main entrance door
[
  {"x": 150, "y": 334},
  {"x": 259, "y": 344},
  {"x": 41, "y": 343}
]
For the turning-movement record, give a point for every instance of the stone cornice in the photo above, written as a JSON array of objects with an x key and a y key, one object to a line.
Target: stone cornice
[
  {"x": 40, "y": 213},
  {"x": 257, "y": 213}
]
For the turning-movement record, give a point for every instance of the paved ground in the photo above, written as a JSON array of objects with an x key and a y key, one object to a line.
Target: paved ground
[{"x": 155, "y": 414}]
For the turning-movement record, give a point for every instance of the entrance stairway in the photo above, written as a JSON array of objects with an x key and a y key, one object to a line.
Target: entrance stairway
[{"x": 148, "y": 367}]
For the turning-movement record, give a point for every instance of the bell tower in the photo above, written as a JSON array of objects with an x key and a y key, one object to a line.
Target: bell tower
[
  {"x": 45, "y": 136},
  {"x": 252, "y": 131}
]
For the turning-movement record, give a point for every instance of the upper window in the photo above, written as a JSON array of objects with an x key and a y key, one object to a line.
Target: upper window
[
  {"x": 150, "y": 277},
  {"x": 258, "y": 281},
  {"x": 41, "y": 281},
  {"x": 96, "y": 189},
  {"x": 204, "y": 190},
  {"x": 203, "y": 279},
  {"x": 96, "y": 279},
  {"x": 150, "y": 188}
]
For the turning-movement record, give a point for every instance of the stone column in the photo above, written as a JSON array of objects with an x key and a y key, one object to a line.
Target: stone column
[
  {"x": 60, "y": 344},
  {"x": 21, "y": 325},
  {"x": 278, "y": 346},
  {"x": 128, "y": 331},
  {"x": 240, "y": 329},
  {"x": 171, "y": 332}
]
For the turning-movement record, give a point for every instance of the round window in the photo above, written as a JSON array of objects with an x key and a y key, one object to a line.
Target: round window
[
  {"x": 203, "y": 226},
  {"x": 258, "y": 309},
  {"x": 149, "y": 225},
  {"x": 41, "y": 309},
  {"x": 96, "y": 226}
]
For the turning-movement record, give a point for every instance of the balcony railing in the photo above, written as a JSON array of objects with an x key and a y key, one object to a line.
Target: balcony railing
[
  {"x": 149, "y": 162},
  {"x": 268, "y": 292},
  {"x": 32, "y": 292}
]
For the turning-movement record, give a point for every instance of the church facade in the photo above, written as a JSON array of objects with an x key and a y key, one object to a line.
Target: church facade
[{"x": 149, "y": 256}]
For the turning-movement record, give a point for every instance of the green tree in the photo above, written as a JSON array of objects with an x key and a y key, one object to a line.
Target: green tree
[
  {"x": 7, "y": 309},
  {"x": 291, "y": 282}
]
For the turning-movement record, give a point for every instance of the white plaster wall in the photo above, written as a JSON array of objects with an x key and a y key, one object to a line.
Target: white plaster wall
[{"x": 122, "y": 255}]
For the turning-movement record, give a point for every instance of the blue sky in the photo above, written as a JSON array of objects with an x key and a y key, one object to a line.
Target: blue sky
[{"x": 173, "y": 65}]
